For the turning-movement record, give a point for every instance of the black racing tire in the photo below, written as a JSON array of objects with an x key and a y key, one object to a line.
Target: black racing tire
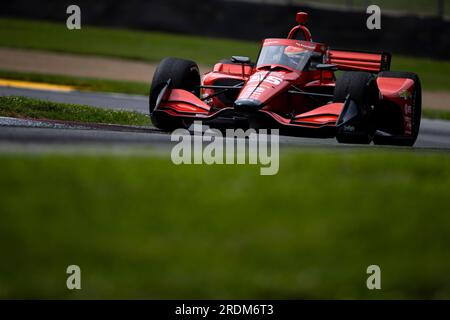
[
  {"x": 362, "y": 88},
  {"x": 416, "y": 110},
  {"x": 184, "y": 74}
]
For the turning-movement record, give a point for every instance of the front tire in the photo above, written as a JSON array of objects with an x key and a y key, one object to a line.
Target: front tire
[
  {"x": 416, "y": 112},
  {"x": 184, "y": 74}
]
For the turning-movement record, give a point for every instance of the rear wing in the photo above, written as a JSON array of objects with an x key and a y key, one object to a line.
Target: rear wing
[{"x": 360, "y": 61}]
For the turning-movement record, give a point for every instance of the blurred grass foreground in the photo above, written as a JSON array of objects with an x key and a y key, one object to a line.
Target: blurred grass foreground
[{"x": 141, "y": 227}]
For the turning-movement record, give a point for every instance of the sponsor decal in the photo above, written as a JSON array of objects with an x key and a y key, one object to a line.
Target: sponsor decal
[
  {"x": 252, "y": 92},
  {"x": 269, "y": 81},
  {"x": 349, "y": 128},
  {"x": 405, "y": 94},
  {"x": 272, "y": 42},
  {"x": 307, "y": 46},
  {"x": 407, "y": 111},
  {"x": 274, "y": 78}
]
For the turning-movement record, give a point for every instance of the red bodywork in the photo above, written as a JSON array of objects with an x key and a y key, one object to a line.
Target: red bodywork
[{"x": 271, "y": 87}]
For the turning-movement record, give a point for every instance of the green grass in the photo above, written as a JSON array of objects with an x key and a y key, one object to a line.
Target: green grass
[
  {"x": 436, "y": 114},
  {"x": 153, "y": 46},
  {"x": 409, "y": 6},
  {"x": 141, "y": 227},
  {"x": 84, "y": 84},
  {"x": 39, "y": 109},
  {"x": 433, "y": 73},
  {"x": 149, "y": 46}
]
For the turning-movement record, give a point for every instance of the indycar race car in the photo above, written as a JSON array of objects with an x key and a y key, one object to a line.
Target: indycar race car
[{"x": 293, "y": 87}]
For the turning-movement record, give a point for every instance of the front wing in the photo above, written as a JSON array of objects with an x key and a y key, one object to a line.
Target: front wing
[{"x": 320, "y": 122}]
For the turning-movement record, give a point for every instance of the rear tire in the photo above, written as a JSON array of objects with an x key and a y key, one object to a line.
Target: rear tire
[
  {"x": 361, "y": 87},
  {"x": 416, "y": 112},
  {"x": 184, "y": 74}
]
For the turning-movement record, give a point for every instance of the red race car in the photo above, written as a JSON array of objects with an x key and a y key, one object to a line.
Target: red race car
[{"x": 293, "y": 87}]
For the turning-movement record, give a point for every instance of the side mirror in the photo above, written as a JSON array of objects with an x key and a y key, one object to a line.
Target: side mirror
[
  {"x": 325, "y": 66},
  {"x": 240, "y": 59}
]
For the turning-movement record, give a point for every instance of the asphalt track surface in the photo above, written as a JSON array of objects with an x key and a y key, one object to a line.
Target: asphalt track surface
[{"x": 434, "y": 134}]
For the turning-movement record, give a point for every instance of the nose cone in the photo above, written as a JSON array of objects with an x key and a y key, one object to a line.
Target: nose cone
[{"x": 248, "y": 105}]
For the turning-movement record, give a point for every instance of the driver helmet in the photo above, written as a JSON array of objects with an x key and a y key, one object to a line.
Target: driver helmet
[{"x": 295, "y": 54}]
